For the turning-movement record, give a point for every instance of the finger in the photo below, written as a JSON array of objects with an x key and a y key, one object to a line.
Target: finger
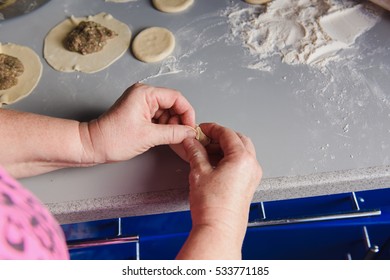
[
  {"x": 197, "y": 156},
  {"x": 167, "y": 134},
  {"x": 227, "y": 139},
  {"x": 158, "y": 114},
  {"x": 167, "y": 117},
  {"x": 164, "y": 98},
  {"x": 250, "y": 147},
  {"x": 179, "y": 150},
  {"x": 174, "y": 119},
  {"x": 214, "y": 149},
  {"x": 164, "y": 117}
]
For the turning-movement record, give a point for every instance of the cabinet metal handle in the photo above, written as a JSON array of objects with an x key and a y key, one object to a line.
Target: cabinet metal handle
[
  {"x": 80, "y": 244},
  {"x": 345, "y": 215},
  {"x": 356, "y": 213},
  {"x": 93, "y": 242},
  {"x": 372, "y": 250}
]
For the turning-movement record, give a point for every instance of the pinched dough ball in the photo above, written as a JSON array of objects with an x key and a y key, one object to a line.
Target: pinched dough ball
[{"x": 201, "y": 137}]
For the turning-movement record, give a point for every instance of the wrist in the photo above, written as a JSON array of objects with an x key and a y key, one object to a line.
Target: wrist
[
  {"x": 211, "y": 242},
  {"x": 225, "y": 221},
  {"x": 92, "y": 146}
]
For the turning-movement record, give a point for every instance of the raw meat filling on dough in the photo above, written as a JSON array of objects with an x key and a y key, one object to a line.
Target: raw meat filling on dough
[
  {"x": 10, "y": 68},
  {"x": 88, "y": 37},
  {"x": 61, "y": 59},
  {"x": 22, "y": 63}
]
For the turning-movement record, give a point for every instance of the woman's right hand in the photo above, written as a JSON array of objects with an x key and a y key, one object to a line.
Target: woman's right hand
[{"x": 220, "y": 192}]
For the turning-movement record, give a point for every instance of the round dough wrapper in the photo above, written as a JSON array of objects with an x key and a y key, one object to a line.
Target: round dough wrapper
[
  {"x": 257, "y": 1},
  {"x": 172, "y": 6},
  {"x": 30, "y": 77},
  {"x": 153, "y": 44},
  {"x": 66, "y": 61}
]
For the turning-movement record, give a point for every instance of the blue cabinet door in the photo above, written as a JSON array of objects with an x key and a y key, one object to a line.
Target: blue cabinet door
[{"x": 161, "y": 236}]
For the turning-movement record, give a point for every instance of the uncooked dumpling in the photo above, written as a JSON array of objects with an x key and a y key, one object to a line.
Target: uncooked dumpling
[
  {"x": 201, "y": 137},
  {"x": 30, "y": 77},
  {"x": 172, "y": 6},
  {"x": 64, "y": 60},
  {"x": 153, "y": 44}
]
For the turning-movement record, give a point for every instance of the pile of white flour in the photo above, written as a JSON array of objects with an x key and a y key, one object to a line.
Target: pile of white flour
[{"x": 300, "y": 31}]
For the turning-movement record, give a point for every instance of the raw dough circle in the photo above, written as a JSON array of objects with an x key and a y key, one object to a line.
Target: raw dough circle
[
  {"x": 172, "y": 6},
  {"x": 66, "y": 61},
  {"x": 257, "y": 1},
  {"x": 30, "y": 77},
  {"x": 153, "y": 44}
]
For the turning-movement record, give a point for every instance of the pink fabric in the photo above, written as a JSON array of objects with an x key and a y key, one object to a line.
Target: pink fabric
[{"x": 27, "y": 229}]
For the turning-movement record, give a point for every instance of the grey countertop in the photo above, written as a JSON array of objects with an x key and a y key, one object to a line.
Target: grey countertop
[{"x": 316, "y": 132}]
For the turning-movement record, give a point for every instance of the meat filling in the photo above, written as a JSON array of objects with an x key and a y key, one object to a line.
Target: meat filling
[
  {"x": 88, "y": 37},
  {"x": 10, "y": 69}
]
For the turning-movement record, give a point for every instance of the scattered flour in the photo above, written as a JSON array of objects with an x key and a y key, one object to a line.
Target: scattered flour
[
  {"x": 190, "y": 42},
  {"x": 169, "y": 66},
  {"x": 301, "y": 32}
]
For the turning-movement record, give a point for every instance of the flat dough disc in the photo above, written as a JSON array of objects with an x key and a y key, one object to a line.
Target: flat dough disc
[
  {"x": 257, "y": 1},
  {"x": 66, "y": 61},
  {"x": 172, "y": 6},
  {"x": 153, "y": 44},
  {"x": 30, "y": 77}
]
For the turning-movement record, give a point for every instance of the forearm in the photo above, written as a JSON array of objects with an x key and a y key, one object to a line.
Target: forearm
[
  {"x": 207, "y": 242},
  {"x": 33, "y": 144},
  {"x": 218, "y": 234}
]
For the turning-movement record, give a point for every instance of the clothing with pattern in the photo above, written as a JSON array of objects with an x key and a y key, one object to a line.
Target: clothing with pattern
[{"x": 27, "y": 228}]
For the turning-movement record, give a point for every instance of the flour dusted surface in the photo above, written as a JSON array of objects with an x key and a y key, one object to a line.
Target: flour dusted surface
[{"x": 300, "y": 32}]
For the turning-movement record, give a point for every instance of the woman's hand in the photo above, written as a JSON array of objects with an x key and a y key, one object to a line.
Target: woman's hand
[
  {"x": 143, "y": 117},
  {"x": 221, "y": 191}
]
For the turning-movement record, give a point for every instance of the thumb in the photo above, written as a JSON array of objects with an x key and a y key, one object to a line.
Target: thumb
[
  {"x": 168, "y": 134},
  {"x": 197, "y": 155}
]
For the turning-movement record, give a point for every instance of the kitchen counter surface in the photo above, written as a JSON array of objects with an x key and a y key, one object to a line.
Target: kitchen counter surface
[{"x": 316, "y": 131}]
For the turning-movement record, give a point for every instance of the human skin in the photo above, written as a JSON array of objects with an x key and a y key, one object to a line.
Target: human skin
[
  {"x": 383, "y": 3},
  {"x": 223, "y": 175},
  {"x": 143, "y": 117},
  {"x": 220, "y": 193}
]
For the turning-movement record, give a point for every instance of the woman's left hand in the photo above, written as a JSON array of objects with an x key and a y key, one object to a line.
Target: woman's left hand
[{"x": 143, "y": 117}]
